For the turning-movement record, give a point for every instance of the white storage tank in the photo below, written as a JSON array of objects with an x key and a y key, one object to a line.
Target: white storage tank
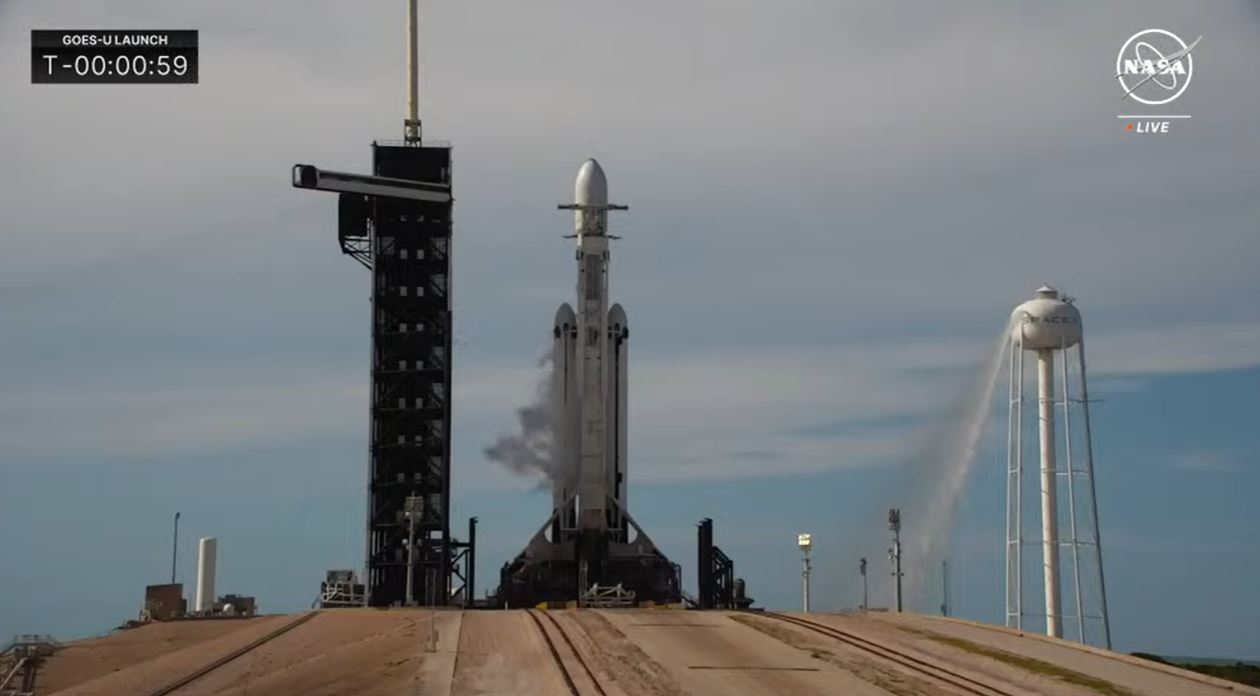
[
  {"x": 206, "y": 551},
  {"x": 1046, "y": 322}
]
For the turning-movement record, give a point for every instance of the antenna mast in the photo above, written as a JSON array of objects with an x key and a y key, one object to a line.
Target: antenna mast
[{"x": 411, "y": 125}]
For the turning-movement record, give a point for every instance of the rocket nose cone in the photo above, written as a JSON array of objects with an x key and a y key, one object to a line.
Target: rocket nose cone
[
  {"x": 565, "y": 316},
  {"x": 591, "y": 187}
]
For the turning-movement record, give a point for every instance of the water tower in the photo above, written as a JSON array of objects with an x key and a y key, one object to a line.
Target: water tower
[{"x": 1049, "y": 328}]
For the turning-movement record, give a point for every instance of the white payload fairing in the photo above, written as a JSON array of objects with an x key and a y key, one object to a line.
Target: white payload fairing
[
  {"x": 589, "y": 358},
  {"x": 590, "y": 541}
]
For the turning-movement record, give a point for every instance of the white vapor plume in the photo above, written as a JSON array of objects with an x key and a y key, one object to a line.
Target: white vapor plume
[
  {"x": 528, "y": 452},
  {"x": 940, "y": 474}
]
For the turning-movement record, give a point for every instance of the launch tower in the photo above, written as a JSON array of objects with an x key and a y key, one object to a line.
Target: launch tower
[{"x": 397, "y": 223}]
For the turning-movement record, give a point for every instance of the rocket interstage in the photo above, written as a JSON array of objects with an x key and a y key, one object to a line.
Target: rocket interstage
[{"x": 590, "y": 538}]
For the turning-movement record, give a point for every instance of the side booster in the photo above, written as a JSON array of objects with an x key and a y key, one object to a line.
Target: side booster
[{"x": 590, "y": 539}]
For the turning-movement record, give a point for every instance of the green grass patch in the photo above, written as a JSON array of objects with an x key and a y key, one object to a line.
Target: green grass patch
[{"x": 1031, "y": 664}]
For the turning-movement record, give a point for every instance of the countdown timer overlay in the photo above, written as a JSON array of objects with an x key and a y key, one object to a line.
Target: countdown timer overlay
[{"x": 113, "y": 56}]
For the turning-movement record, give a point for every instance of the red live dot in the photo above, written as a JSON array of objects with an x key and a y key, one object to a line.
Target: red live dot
[{"x": 1129, "y": 127}]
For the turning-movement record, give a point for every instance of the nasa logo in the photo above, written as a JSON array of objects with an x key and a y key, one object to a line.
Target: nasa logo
[{"x": 1155, "y": 66}]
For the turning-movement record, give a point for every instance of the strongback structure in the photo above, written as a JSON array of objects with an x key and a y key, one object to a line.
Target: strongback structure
[
  {"x": 1049, "y": 327},
  {"x": 397, "y": 223}
]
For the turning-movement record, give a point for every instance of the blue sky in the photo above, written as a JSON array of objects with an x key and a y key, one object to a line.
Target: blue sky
[{"x": 827, "y": 231}]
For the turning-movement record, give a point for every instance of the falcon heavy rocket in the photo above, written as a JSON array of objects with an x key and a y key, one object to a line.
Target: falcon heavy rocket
[{"x": 590, "y": 540}]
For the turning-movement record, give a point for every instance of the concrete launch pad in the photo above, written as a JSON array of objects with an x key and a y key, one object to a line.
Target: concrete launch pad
[{"x": 609, "y": 652}]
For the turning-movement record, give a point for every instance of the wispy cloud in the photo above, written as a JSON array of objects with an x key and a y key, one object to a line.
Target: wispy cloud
[
  {"x": 773, "y": 411},
  {"x": 162, "y": 419},
  {"x": 1215, "y": 462},
  {"x": 713, "y": 414},
  {"x": 1175, "y": 348},
  {"x": 857, "y": 426}
]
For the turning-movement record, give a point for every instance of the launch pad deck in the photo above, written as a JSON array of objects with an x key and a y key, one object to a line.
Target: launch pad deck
[{"x": 626, "y": 652}]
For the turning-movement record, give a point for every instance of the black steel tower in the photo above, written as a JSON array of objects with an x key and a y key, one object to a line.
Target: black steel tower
[
  {"x": 397, "y": 223},
  {"x": 410, "y": 243},
  {"x": 716, "y": 586}
]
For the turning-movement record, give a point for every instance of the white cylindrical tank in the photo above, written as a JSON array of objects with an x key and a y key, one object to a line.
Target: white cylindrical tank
[
  {"x": 1046, "y": 322},
  {"x": 207, "y": 550}
]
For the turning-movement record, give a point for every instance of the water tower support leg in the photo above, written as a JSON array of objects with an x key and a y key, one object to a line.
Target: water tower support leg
[
  {"x": 1012, "y": 490},
  {"x": 1093, "y": 495},
  {"x": 1071, "y": 488},
  {"x": 1049, "y": 483}
]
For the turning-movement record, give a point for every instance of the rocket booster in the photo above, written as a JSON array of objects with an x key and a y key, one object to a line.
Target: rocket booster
[
  {"x": 589, "y": 358},
  {"x": 593, "y": 540}
]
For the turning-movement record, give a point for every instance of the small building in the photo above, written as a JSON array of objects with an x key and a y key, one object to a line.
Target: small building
[
  {"x": 236, "y": 605},
  {"x": 164, "y": 602}
]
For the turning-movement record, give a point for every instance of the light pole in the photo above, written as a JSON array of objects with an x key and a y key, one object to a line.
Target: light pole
[
  {"x": 413, "y": 509},
  {"x": 862, "y": 570},
  {"x": 175, "y": 548},
  {"x": 803, "y": 541},
  {"x": 894, "y": 554}
]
